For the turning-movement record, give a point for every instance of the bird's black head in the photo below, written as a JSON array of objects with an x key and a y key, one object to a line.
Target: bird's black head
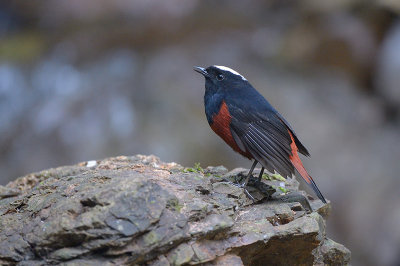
[{"x": 220, "y": 77}]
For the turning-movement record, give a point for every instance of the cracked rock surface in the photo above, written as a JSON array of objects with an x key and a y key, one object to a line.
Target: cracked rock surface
[{"x": 141, "y": 211}]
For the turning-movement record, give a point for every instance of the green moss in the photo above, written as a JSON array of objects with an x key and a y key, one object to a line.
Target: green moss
[
  {"x": 190, "y": 170},
  {"x": 196, "y": 169},
  {"x": 266, "y": 176},
  {"x": 284, "y": 190},
  {"x": 150, "y": 238},
  {"x": 174, "y": 205},
  {"x": 278, "y": 177},
  {"x": 273, "y": 177}
]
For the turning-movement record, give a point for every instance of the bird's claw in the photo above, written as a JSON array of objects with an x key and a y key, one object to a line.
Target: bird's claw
[
  {"x": 236, "y": 184},
  {"x": 249, "y": 195},
  {"x": 242, "y": 185}
]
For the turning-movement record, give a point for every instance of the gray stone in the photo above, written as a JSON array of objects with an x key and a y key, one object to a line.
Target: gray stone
[
  {"x": 181, "y": 254},
  {"x": 138, "y": 210}
]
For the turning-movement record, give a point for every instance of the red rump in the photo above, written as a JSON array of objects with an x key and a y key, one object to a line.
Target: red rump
[
  {"x": 295, "y": 159},
  {"x": 221, "y": 126}
]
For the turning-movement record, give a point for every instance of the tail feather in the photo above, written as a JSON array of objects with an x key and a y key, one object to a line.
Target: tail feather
[
  {"x": 295, "y": 159},
  {"x": 316, "y": 190}
]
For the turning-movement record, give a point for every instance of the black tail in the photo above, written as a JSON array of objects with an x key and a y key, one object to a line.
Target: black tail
[{"x": 316, "y": 190}]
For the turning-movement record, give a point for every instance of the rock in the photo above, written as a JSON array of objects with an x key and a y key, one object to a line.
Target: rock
[
  {"x": 138, "y": 210},
  {"x": 6, "y": 192},
  {"x": 331, "y": 253},
  {"x": 226, "y": 260},
  {"x": 181, "y": 254}
]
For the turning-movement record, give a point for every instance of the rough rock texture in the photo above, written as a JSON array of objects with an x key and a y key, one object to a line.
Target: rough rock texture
[{"x": 140, "y": 211}]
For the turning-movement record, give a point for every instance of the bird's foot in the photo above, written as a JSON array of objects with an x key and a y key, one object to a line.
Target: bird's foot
[
  {"x": 248, "y": 194},
  {"x": 236, "y": 184},
  {"x": 243, "y": 186},
  {"x": 239, "y": 181}
]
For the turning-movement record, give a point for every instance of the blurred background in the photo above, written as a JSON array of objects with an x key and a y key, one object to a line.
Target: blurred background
[{"x": 89, "y": 79}]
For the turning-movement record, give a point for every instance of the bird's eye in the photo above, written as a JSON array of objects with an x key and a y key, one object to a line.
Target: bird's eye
[{"x": 220, "y": 77}]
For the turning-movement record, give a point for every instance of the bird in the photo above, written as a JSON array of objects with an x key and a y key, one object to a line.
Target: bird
[{"x": 251, "y": 126}]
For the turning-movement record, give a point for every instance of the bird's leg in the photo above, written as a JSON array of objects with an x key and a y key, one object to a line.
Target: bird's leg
[
  {"x": 244, "y": 184},
  {"x": 261, "y": 174}
]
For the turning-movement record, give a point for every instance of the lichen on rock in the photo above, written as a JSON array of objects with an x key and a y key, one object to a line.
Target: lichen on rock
[{"x": 141, "y": 211}]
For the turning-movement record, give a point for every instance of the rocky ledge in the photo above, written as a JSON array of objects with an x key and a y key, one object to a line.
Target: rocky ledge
[{"x": 141, "y": 211}]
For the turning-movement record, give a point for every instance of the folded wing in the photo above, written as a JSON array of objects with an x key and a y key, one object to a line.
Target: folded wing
[
  {"x": 271, "y": 141},
  {"x": 266, "y": 137}
]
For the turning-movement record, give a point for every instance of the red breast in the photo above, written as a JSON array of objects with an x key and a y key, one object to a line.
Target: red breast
[{"x": 221, "y": 126}]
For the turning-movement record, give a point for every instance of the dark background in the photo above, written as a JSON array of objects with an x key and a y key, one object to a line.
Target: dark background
[{"x": 88, "y": 79}]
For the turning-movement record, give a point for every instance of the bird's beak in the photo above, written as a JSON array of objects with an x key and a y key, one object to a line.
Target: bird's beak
[{"x": 201, "y": 70}]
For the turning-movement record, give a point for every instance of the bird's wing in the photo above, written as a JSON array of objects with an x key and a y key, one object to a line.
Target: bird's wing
[
  {"x": 266, "y": 137},
  {"x": 299, "y": 145}
]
